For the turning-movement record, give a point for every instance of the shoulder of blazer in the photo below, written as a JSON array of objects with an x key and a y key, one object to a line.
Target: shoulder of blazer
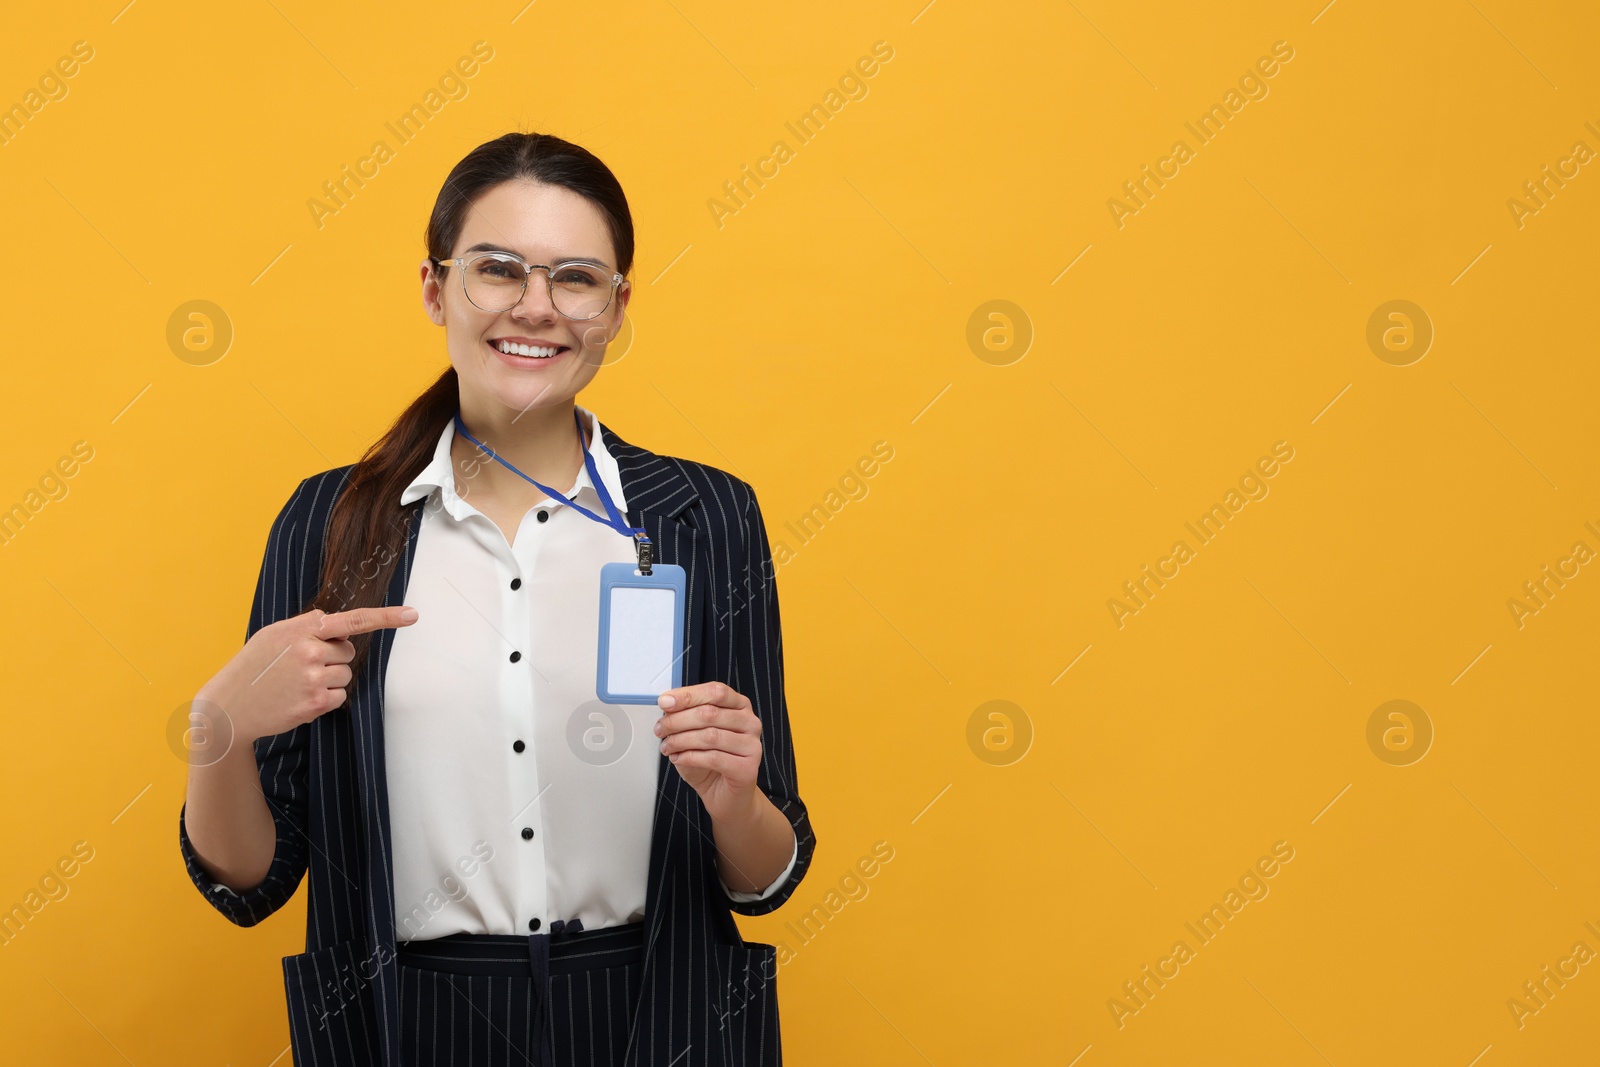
[
  {"x": 296, "y": 540},
  {"x": 668, "y": 485},
  {"x": 313, "y": 498}
]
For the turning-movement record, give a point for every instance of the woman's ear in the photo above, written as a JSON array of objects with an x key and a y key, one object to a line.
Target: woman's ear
[{"x": 432, "y": 293}]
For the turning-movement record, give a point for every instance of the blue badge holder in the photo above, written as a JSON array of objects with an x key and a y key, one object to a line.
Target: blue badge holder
[{"x": 647, "y": 663}]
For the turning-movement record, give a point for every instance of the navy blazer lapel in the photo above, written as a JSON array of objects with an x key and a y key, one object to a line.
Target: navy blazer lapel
[
  {"x": 675, "y": 544},
  {"x": 366, "y": 709},
  {"x": 656, "y": 492}
]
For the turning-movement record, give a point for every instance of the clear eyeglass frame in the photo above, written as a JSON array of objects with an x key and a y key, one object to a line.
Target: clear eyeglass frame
[{"x": 550, "y": 272}]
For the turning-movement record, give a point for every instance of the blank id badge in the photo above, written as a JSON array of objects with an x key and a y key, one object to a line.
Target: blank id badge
[{"x": 641, "y": 632}]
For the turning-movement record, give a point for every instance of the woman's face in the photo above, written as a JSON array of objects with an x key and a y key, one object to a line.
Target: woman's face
[{"x": 543, "y": 224}]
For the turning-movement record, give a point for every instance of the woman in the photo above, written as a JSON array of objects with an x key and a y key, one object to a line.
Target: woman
[{"x": 503, "y": 868}]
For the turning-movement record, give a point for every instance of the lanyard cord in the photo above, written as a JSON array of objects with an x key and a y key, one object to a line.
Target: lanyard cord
[{"x": 613, "y": 518}]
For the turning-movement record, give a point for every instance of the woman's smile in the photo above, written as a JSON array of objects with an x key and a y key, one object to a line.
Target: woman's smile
[{"x": 516, "y": 353}]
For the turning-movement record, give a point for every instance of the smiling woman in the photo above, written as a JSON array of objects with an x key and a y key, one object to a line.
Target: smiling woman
[{"x": 466, "y": 633}]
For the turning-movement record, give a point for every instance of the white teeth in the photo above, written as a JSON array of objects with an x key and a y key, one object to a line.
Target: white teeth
[{"x": 511, "y": 348}]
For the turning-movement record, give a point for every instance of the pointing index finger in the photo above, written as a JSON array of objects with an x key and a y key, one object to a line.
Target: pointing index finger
[{"x": 364, "y": 620}]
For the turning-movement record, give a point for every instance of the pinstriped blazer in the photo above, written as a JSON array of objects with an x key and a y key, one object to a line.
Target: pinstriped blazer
[{"x": 709, "y": 998}]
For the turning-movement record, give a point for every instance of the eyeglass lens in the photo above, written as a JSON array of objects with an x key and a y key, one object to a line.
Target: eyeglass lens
[{"x": 579, "y": 291}]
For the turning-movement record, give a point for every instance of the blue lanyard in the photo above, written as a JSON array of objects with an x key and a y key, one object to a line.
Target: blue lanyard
[{"x": 642, "y": 543}]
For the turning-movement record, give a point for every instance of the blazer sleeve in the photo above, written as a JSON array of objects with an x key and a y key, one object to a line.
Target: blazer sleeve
[
  {"x": 290, "y": 570},
  {"x": 758, "y": 673}
]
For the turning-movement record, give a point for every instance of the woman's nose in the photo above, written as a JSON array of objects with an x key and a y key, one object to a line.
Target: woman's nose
[{"x": 536, "y": 297}]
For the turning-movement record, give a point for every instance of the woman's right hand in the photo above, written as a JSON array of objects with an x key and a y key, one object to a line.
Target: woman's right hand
[{"x": 293, "y": 670}]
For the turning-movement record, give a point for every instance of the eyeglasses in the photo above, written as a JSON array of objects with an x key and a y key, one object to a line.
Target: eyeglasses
[{"x": 497, "y": 281}]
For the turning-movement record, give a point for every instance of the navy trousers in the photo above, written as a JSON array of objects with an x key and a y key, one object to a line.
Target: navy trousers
[{"x": 565, "y": 997}]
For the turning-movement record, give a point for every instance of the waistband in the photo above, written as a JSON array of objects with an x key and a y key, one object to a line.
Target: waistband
[{"x": 567, "y": 949}]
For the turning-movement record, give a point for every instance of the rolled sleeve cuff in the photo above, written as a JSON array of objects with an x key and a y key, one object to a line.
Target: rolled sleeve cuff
[{"x": 243, "y": 909}]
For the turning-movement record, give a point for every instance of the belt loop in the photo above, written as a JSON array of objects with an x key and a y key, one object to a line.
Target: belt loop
[{"x": 539, "y": 962}]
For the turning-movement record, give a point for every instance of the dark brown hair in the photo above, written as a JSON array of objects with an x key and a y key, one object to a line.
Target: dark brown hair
[{"x": 368, "y": 528}]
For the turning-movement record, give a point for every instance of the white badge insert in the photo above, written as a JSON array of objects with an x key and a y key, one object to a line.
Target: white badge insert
[{"x": 640, "y": 652}]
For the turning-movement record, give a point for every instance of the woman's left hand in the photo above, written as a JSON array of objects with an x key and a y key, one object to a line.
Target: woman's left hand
[{"x": 712, "y": 735}]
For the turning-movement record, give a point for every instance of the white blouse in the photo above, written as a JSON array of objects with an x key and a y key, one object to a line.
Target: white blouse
[{"x": 516, "y": 797}]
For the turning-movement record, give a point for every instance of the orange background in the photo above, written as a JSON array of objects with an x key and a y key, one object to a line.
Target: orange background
[{"x": 1040, "y": 460}]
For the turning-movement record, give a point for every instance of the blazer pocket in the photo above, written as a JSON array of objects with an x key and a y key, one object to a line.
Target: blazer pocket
[
  {"x": 331, "y": 993},
  {"x": 749, "y": 1015}
]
